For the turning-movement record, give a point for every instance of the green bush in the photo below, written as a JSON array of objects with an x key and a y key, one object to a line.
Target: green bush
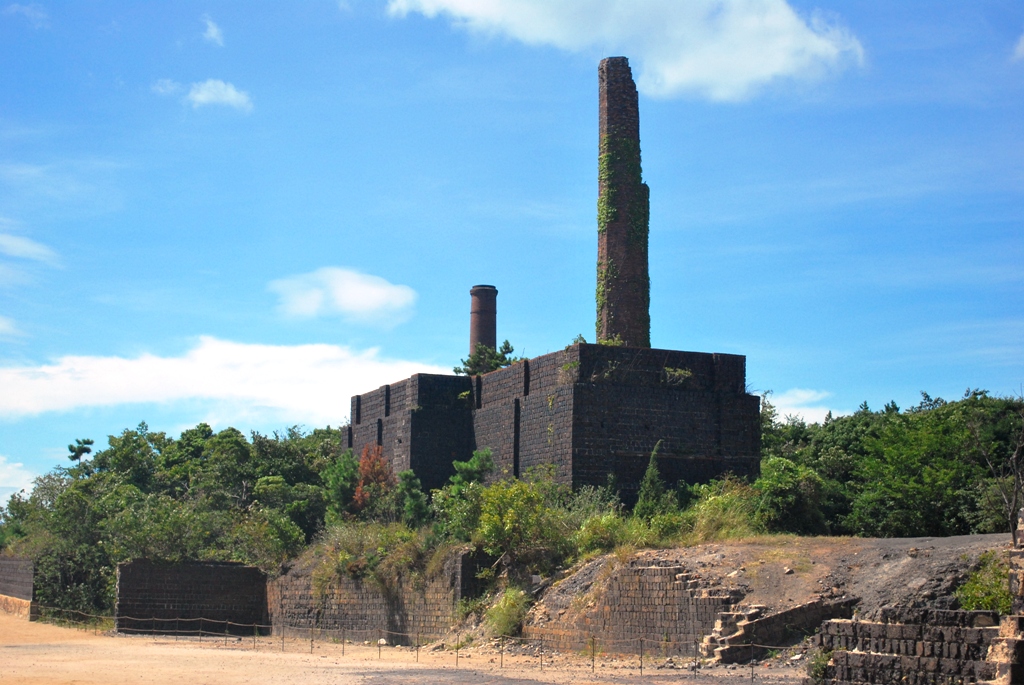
[
  {"x": 600, "y": 533},
  {"x": 505, "y": 617},
  {"x": 988, "y": 587}
]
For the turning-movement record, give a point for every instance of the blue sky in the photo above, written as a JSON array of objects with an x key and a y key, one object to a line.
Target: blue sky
[{"x": 245, "y": 213}]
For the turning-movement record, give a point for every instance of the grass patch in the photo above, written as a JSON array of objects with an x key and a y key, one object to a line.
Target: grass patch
[{"x": 988, "y": 586}]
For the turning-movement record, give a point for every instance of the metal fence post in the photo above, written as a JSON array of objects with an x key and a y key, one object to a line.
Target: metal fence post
[
  {"x": 501, "y": 658},
  {"x": 593, "y": 654},
  {"x": 458, "y": 644},
  {"x": 641, "y": 657}
]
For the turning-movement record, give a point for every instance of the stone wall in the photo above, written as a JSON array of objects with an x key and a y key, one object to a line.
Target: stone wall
[
  {"x": 16, "y": 587},
  {"x": 406, "y": 608},
  {"x": 746, "y": 634},
  {"x": 661, "y": 604},
  {"x": 218, "y": 592},
  {"x": 912, "y": 646}
]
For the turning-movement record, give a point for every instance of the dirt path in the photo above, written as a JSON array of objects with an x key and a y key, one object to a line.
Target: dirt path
[{"x": 37, "y": 654}]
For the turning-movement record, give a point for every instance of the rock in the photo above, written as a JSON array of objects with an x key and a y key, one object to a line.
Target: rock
[
  {"x": 382, "y": 642},
  {"x": 787, "y": 570}
]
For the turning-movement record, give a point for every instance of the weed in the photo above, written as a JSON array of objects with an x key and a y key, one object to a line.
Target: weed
[
  {"x": 817, "y": 665},
  {"x": 505, "y": 617}
]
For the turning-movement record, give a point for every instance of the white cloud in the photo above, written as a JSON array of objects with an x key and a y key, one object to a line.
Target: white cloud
[
  {"x": 308, "y": 384},
  {"x": 35, "y": 14},
  {"x": 217, "y": 92},
  {"x": 1018, "y": 51},
  {"x": 353, "y": 295},
  {"x": 166, "y": 86},
  {"x": 803, "y": 403},
  {"x": 720, "y": 49},
  {"x": 13, "y": 478},
  {"x": 25, "y": 248},
  {"x": 212, "y": 34},
  {"x": 8, "y": 329}
]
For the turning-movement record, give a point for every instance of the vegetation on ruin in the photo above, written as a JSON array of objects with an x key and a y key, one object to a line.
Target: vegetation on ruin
[
  {"x": 939, "y": 468},
  {"x": 988, "y": 587},
  {"x": 486, "y": 359}
]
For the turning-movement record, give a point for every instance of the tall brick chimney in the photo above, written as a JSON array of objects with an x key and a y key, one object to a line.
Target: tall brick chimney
[
  {"x": 623, "y": 212},
  {"x": 483, "y": 317}
]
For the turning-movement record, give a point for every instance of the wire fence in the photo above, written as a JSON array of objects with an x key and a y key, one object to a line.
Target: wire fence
[{"x": 594, "y": 653}]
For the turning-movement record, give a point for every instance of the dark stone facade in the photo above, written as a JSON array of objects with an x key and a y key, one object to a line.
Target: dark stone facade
[
  {"x": 588, "y": 410},
  {"x": 228, "y": 597}
]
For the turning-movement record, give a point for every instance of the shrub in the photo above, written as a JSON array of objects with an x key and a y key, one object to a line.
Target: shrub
[
  {"x": 600, "y": 533},
  {"x": 988, "y": 587},
  {"x": 505, "y": 617},
  {"x": 513, "y": 520}
]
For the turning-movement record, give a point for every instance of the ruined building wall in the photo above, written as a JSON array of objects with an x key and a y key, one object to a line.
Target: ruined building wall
[
  {"x": 588, "y": 410},
  {"x": 16, "y": 586},
  {"x": 423, "y": 423},
  {"x": 210, "y": 590},
  {"x": 623, "y": 209}
]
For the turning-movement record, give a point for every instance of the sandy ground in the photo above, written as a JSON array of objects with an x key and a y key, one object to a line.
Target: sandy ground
[{"x": 38, "y": 654}]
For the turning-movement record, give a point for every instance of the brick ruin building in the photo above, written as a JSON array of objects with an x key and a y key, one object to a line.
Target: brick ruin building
[{"x": 589, "y": 410}]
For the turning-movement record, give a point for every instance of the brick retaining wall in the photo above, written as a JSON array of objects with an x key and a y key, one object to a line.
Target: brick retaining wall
[
  {"x": 661, "y": 604},
  {"x": 410, "y": 607},
  {"x": 912, "y": 647},
  {"x": 216, "y": 591}
]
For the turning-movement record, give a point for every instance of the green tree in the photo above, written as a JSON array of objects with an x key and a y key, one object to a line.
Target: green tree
[
  {"x": 653, "y": 498},
  {"x": 485, "y": 359},
  {"x": 414, "y": 505},
  {"x": 341, "y": 476},
  {"x": 789, "y": 498}
]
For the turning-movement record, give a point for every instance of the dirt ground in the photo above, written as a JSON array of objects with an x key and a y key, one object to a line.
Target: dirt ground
[
  {"x": 774, "y": 572},
  {"x": 38, "y": 654}
]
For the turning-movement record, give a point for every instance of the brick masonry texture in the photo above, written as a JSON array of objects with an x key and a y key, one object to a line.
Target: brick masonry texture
[
  {"x": 657, "y": 603},
  {"x": 912, "y": 646},
  {"x": 16, "y": 578},
  {"x": 410, "y": 607},
  {"x": 623, "y": 278},
  {"x": 215, "y": 591},
  {"x": 588, "y": 411}
]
